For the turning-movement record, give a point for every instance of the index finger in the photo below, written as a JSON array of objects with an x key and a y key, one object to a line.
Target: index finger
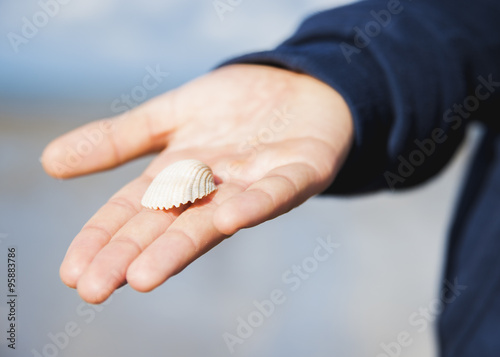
[{"x": 189, "y": 236}]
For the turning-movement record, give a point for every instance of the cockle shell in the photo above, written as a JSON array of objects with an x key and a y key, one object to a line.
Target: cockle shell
[{"x": 182, "y": 182}]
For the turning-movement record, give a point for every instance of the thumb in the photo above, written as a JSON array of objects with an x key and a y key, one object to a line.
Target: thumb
[{"x": 107, "y": 143}]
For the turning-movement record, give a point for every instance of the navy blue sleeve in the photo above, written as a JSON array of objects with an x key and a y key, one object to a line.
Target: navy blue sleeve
[{"x": 413, "y": 74}]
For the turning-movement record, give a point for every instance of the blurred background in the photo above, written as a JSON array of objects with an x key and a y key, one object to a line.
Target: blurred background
[{"x": 65, "y": 63}]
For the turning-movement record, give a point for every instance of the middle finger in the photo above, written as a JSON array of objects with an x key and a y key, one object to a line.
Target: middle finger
[{"x": 108, "y": 269}]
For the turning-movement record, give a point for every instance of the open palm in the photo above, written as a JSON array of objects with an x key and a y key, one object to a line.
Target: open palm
[{"x": 273, "y": 139}]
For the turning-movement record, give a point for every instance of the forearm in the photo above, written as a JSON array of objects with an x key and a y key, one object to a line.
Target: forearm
[{"x": 406, "y": 70}]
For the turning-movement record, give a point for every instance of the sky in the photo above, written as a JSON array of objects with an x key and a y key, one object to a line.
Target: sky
[{"x": 62, "y": 51}]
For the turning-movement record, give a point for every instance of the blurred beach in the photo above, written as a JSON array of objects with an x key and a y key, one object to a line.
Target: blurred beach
[
  {"x": 389, "y": 247},
  {"x": 387, "y": 266}
]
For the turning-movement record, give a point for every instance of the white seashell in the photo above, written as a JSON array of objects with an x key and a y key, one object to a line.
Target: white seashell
[{"x": 182, "y": 182}]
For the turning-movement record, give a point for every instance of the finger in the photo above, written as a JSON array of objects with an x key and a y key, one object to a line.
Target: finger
[
  {"x": 188, "y": 237},
  {"x": 107, "y": 143},
  {"x": 276, "y": 193},
  {"x": 98, "y": 231},
  {"x": 107, "y": 270}
]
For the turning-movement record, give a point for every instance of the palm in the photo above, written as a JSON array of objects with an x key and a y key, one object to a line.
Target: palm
[{"x": 272, "y": 139}]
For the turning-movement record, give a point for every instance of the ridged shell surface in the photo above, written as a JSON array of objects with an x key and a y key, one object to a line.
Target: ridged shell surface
[{"x": 182, "y": 182}]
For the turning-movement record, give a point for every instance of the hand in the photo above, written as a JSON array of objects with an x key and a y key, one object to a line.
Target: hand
[{"x": 273, "y": 138}]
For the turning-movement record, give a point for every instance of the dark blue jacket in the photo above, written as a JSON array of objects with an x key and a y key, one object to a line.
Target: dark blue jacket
[{"x": 414, "y": 74}]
